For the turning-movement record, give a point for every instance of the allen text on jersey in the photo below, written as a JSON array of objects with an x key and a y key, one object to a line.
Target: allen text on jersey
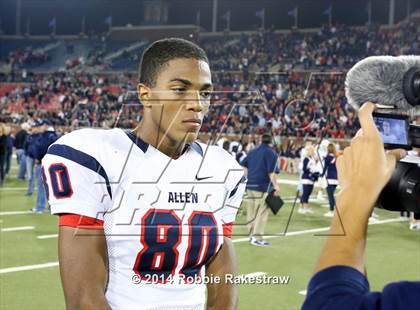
[{"x": 179, "y": 197}]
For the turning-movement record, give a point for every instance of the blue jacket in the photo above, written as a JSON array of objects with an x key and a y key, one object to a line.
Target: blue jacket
[
  {"x": 330, "y": 170},
  {"x": 10, "y": 142},
  {"x": 45, "y": 140},
  {"x": 308, "y": 176},
  {"x": 260, "y": 162},
  {"x": 30, "y": 145}
]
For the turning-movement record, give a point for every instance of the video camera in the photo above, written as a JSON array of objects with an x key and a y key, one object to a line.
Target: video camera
[{"x": 394, "y": 84}]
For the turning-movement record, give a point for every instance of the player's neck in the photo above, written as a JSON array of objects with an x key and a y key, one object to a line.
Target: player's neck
[{"x": 159, "y": 141}]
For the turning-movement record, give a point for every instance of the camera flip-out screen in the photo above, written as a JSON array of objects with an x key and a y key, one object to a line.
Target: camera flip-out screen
[{"x": 393, "y": 129}]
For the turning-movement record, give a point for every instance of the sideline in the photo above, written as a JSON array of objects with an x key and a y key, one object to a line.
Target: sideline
[{"x": 7, "y": 229}]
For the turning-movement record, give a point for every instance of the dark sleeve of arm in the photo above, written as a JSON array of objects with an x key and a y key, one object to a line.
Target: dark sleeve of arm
[
  {"x": 327, "y": 162},
  {"x": 340, "y": 287},
  {"x": 305, "y": 165},
  {"x": 343, "y": 287}
]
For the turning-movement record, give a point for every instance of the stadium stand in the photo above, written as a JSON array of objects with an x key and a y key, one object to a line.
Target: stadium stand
[{"x": 253, "y": 79}]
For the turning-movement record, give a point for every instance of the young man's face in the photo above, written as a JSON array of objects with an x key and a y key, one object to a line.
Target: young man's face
[
  {"x": 180, "y": 98},
  {"x": 386, "y": 128}
]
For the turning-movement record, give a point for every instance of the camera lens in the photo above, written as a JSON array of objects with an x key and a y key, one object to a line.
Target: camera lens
[
  {"x": 402, "y": 193},
  {"x": 411, "y": 86}
]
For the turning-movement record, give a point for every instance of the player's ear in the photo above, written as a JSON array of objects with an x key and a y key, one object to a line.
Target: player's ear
[{"x": 144, "y": 94}]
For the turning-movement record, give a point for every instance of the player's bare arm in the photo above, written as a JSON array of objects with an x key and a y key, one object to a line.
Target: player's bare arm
[
  {"x": 82, "y": 256},
  {"x": 225, "y": 294}
]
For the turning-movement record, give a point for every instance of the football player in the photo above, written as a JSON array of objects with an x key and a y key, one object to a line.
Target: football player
[{"x": 146, "y": 215}]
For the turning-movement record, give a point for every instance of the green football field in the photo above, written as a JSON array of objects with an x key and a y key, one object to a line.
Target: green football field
[{"x": 29, "y": 275}]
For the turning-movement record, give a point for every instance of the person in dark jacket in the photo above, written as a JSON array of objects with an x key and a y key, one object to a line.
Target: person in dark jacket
[
  {"x": 261, "y": 166},
  {"x": 20, "y": 150},
  {"x": 3, "y": 150},
  {"x": 330, "y": 171},
  {"x": 30, "y": 145},
  {"x": 9, "y": 150},
  {"x": 47, "y": 136}
]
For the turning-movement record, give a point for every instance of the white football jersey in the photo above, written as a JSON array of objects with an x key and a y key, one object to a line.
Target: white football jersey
[{"x": 162, "y": 217}]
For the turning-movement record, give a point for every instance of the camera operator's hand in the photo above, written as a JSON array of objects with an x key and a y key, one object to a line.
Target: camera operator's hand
[
  {"x": 365, "y": 168},
  {"x": 363, "y": 171}
]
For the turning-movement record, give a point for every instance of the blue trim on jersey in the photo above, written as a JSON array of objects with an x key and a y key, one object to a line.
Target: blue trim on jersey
[
  {"x": 143, "y": 145},
  {"x": 82, "y": 159},
  {"x": 137, "y": 141},
  {"x": 197, "y": 147},
  {"x": 233, "y": 192}
]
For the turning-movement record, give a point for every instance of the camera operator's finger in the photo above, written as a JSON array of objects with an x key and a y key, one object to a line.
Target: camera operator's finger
[
  {"x": 366, "y": 120},
  {"x": 397, "y": 153},
  {"x": 393, "y": 156}
]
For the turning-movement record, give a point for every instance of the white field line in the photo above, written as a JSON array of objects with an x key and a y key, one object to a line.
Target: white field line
[
  {"x": 388, "y": 221},
  {"x": 302, "y": 292},
  {"x": 315, "y": 230},
  {"x": 17, "y": 228},
  {"x": 30, "y": 267},
  {"x": 14, "y": 212},
  {"x": 47, "y": 236},
  {"x": 11, "y": 189},
  {"x": 53, "y": 264}
]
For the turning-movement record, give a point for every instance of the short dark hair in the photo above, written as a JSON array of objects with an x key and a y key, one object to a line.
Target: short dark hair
[
  {"x": 160, "y": 52},
  {"x": 266, "y": 138}
]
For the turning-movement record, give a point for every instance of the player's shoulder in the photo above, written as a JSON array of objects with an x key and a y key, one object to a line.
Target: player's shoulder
[
  {"x": 216, "y": 154},
  {"x": 88, "y": 140}
]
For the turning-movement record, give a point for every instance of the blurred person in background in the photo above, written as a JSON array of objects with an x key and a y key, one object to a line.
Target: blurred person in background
[
  {"x": 310, "y": 174},
  {"x": 225, "y": 145},
  {"x": 235, "y": 147},
  {"x": 321, "y": 153},
  {"x": 302, "y": 156},
  {"x": 3, "y": 151},
  {"x": 9, "y": 149},
  {"x": 330, "y": 172},
  {"x": 47, "y": 136},
  {"x": 19, "y": 144},
  {"x": 261, "y": 166},
  {"x": 240, "y": 156},
  {"x": 30, "y": 149}
]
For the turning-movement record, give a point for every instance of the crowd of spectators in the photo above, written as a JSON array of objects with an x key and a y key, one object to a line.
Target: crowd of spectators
[
  {"x": 292, "y": 104},
  {"x": 334, "y": 47},
  {"x": 246, "y": 100},
  {"x": 27, "y": 57},
  {"x": 67, "y": 100},
  {"x": 239, "y": 106}
]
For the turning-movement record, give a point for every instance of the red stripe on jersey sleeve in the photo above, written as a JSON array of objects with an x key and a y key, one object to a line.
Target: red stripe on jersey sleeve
[
  {"x": 80, "y": 221},
  {"x": 227, "y": 229}
]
